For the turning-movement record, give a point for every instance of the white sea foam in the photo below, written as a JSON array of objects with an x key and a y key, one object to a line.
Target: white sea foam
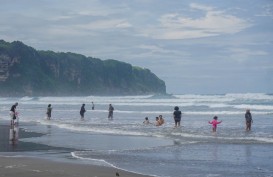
[
  {"x": 100, "y": 162},
  {"x": 26, "y": 98},
  {"x": 250, "y": 96},
  {"x": 254, "y": 107}
]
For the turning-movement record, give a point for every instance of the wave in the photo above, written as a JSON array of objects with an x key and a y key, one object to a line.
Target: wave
[
  {"x": 166, "y": 131},
  {"x": 92, "y": 128},
  {"x": 162, "y": 96},
  {"x": 168, "y": 113},
  {"x": 99, "y": 162},
  {"x": 26, "y": 98},
  {"x": 225, "y": 112},
  {"x": 250, "y": 96},
  {"x": 224, "y": 138},
  {"x": 254, "y": 107}
]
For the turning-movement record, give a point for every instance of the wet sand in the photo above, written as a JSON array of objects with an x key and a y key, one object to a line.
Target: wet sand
[
  {"x": 28, "y": 167},
  {"x": 12, "y": 165}
]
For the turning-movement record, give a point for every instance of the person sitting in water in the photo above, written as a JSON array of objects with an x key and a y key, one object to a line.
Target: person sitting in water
[
  {"x": 161, "y": 120},
  {"x": 157, "y": 122},
  {"x": 146, "y": 121}
]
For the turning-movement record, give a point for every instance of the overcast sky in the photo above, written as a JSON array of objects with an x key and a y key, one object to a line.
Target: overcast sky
[{"x": 195, "y": 46}]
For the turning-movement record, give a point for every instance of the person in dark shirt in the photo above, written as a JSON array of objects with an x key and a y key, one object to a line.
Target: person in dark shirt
[
  {"x": 93, "y": 106},
  {"x": 13, "y": 111},
  {"x": 111, "y": 111},
  {"x": 82, "y": 111},
  {"x": 177, "y": 116},
  {"x": 48, "y": 112},
  {"x": 249, "y": 120}
]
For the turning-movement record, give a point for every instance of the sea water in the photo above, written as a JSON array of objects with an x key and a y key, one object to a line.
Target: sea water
[{"x": 124, "y": 142}]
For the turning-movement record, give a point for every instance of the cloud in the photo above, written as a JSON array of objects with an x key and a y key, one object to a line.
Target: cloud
[
  {"x": 201, "y": 7},
  {"x": 105, "y": 24},
  {"x": 213, "y": 23},
  {"x": 267, "y": 11},
  {"x": 243, "y": 54}
]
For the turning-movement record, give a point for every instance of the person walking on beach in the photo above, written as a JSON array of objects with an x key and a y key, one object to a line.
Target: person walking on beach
[
  {"x": 82, "y": 111},
  {"x": 111, "y": 112},
  {"x": 13, "y": 111},
  {"x": 249, "y": 120},
  {"x": 48, "y": 112},
  {"x": 214, "y": 123},
  {"x": 177, "y": 116},
  {"x": 93, "y": 105}
]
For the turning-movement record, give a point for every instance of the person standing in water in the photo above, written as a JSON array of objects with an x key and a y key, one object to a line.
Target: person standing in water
[
  {"x": 111, "y": 112},
  {"x": 249, "y": 120},
  {"x": 177, "y": 116},
  {"x": 214, "y": 123},
  {"x": 13, "y": 111},
  {"x": 93, "y": 105},
  {"x": 82, "y": 111},
  {"x": 48, "y": 112}
]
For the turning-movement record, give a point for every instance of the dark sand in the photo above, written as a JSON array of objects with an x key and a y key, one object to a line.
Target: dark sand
[{"x": 28, "y": 166}]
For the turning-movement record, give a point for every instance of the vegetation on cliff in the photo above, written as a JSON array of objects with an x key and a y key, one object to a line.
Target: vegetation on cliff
[{"x": 26, "y": 71}]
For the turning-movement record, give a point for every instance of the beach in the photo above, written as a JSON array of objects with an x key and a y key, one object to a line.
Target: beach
[
  {"x": 14, "y": 162},
  {"x": 125, "y": 145},
  {"x": 28, "y": 167}
]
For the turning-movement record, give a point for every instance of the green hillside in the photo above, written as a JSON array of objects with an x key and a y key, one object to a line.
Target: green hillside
[{"x": 25, "y": 71}]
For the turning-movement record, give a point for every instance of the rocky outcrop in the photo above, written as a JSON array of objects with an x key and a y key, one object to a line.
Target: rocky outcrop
[{"x": 5, "y": 63}]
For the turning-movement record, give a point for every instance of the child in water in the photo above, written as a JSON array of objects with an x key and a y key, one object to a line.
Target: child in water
[
  {"x": 157, "y": 122},
  {"x": 161, "y": 120},
  {"x": 146, "y": 121},
  {"x": 214, "y": 123}
]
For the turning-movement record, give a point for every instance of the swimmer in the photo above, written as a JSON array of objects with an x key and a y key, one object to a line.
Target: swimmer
[
  {"x": 157, "y": 122},
  {"x": 146, "y": 121},
  {"x": 161, "y": 120}
]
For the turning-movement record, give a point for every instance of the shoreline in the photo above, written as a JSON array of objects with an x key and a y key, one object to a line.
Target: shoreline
[
  {"x": 14, "y": 160},
  {"x": 28, "y": 167}
]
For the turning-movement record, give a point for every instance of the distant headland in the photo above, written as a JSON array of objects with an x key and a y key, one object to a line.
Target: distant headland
[{"x": 25, "y": 71}]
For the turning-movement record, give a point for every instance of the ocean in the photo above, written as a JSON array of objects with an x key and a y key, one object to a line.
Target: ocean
[{"x": 124, "y": 142}]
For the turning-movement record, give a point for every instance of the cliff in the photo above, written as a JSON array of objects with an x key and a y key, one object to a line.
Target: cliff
[{"x": 25, "y": 71}]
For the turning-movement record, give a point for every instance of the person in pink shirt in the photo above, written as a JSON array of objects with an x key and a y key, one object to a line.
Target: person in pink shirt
[{"x": 214, "y": 123}]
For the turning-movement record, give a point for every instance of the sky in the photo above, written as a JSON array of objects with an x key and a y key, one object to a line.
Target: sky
[{"x": 195, "y": 46}]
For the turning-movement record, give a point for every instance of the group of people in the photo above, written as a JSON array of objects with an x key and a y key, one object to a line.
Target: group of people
[
  {"x": 49, "y": 110},
  {"x": 83, "y": 110},
  {"x": 177, "y": 114},
  {"x": 158, "y": 121},
  {"x": 248, "y": 119}
]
